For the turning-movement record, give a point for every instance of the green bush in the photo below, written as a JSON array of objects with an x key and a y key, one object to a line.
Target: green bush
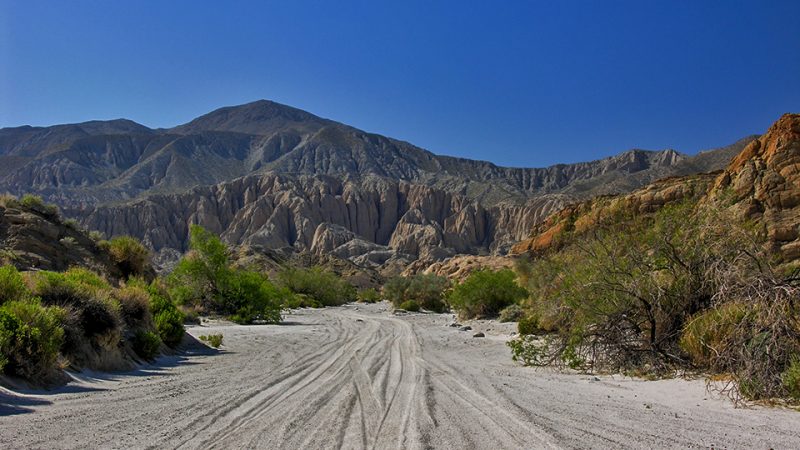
[
  {"x": 130, "y": 256},
  {"x": 135, "y": 306},
  {"x": 36, "y": 203},
  {"x": 511, "y": 313},
  {"x": 485, "y": 293},
  {"x": 427, "y": 290},
  {"x": 321, "y": 285},
  {"x": 252, "y": 298},
  {"x": 12, "y": 285},
  {"x": 214, "y": 340},
  {"x": 369, "y": 295},
  {"x": 32, "y": 338},
  {"x": 146, "y": 344},
  {"x": 166, "y": 316},
  {"x": 87, "y": 295},
  {"x": 409, "y": 305},
  {"x": 294, "y": 301}
]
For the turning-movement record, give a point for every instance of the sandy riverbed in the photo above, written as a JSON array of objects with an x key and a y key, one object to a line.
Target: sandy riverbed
[{"x": 360, "y": 377}]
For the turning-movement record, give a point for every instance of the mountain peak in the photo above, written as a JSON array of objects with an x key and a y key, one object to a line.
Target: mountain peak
[{"x": 259, "y": 117}]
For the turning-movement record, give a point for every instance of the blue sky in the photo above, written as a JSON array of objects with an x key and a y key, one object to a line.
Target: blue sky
[{"x": 527, "y": 83}]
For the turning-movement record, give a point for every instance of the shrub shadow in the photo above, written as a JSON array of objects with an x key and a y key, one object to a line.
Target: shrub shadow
[{"x": 11, "y": 404}]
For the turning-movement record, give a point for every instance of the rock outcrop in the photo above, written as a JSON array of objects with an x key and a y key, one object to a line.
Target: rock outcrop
[
  {"x": 37, "y": 239},
  {"x": 761, "y": 183}
]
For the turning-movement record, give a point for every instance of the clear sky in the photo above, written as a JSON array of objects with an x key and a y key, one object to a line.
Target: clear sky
[{"x": 526, "y": 83}]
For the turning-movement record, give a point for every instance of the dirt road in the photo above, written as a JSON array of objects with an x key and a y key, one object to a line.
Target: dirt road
[{"x": 363, "y": 378}]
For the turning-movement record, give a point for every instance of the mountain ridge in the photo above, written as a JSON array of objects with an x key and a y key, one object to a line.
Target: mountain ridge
[{"x": 269, "y": 175}]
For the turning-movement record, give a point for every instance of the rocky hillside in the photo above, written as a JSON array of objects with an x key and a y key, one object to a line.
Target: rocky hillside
[
  {"x": 34, "y": 237},
  {"x": 761, "y": 183},
  {"x": 268, "y": 175}
]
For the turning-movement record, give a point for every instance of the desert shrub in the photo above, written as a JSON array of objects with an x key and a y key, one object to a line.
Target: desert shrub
[
  {"x": 527, "y": 351},
  {"x": 146, "y": 344},
  {"x": 369, "y": 295},
  {"x": 409, "y": 305},
  {"x": 130, "y": 256},
  {"x": 166, "y": 316},
  {"x": 790, "y": 378},
  {"x": 511, "y": 313},
  {"x": 427, "y": 290},
  {"x": 135, "y": 306},
  {"x": 36, "y": 203},
  {"x": 12, "y": 285},
  {"x": 72, "y": 223},
  {"x": 485, "y": 293},
  {"x": 708, "y": 331},
  {"x": 528, "y": 325},
  {"x": 87, "y": 295},
  {"x": 295, "y": 301},
  {"x": 214, "y": 340},
  {"x": 250, "y": 297},
  {"x": 33, "y": 338},
  {"x": 322, "y": 285},
  {"x": 96, "y": 236},
  {"x": 752, "y": 333}
]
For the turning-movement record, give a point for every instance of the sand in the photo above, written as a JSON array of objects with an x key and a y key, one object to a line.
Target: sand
[{"x": 361, "y": 377}]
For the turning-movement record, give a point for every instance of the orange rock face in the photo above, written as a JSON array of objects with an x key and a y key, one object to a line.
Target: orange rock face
[{"x": 762, "y": 183}]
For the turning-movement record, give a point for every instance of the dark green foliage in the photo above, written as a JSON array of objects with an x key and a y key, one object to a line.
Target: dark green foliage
[
  {"x": 252, "y": 298},
  {"x": 485, "y": 293},
  {"x": 369, "y": 295},
  {"x": 146, "y": 344},
  {"x": 323, "y": 286},
  {"x": 427, "y": 290},
  {"x": 130, "y": 256},
  {"x": 166, "y": 316},
  {"x": 31, "y": 337},
  {"x": 409, "y": 305}
]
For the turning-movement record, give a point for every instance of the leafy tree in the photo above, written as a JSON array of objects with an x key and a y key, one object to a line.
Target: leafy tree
[{"x": 205, "y": 277}]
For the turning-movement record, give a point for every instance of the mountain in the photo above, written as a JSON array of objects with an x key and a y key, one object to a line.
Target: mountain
[
  {"x": 269, "y": 175},
  {"x": 761, "y": 183}
]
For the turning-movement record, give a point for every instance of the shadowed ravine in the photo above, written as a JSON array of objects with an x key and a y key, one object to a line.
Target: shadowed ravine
[{"x": 363, "y": 378}]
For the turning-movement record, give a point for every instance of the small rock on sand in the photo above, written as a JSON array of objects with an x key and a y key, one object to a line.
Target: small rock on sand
[
  {"x": 479, "y": 334},
  {"x": 466, "y": 328}
]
